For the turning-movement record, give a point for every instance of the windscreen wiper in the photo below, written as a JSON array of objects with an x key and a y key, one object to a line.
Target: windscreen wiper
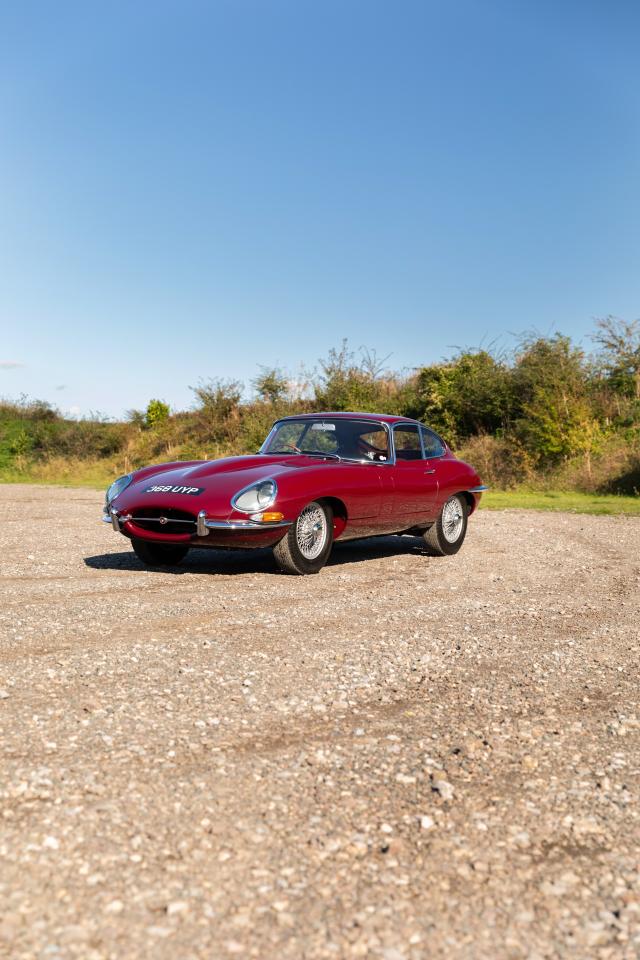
[
  {"x": 320, "y": 453},
  {"x": 303, "y": 453}
]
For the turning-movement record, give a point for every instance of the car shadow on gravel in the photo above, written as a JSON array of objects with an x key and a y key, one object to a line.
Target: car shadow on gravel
[{"x": 226, "y": 562}]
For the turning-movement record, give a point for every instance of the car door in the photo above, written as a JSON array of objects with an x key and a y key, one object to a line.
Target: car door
[
  {"x": 435, "y": 465},
  {"x": 415, "y": 494}
]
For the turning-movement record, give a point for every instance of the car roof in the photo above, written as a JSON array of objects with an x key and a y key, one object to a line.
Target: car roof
[{"x": 346, "y": 415}]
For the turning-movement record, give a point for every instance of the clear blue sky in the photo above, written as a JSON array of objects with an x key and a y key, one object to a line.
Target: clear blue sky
[{"x": 190, "y": 189}]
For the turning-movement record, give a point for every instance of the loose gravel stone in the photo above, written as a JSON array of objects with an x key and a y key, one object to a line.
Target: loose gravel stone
[{"x": 402, "y": 758}]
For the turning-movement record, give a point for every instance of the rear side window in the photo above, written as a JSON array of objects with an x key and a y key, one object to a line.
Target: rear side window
[
  {"x": 407, "y": 442},
  {"x": 433, "y": 445}
]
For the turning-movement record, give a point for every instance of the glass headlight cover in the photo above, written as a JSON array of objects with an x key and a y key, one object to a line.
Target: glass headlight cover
[
  {"x": 116, "y": 489},
  {"x": 255, "y": 498}
]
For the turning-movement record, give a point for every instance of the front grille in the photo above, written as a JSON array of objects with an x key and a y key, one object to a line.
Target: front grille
[{"x": 164, "y": 520}]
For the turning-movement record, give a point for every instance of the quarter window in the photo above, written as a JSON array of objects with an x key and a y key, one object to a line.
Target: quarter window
[{"x": 433, "y": 445}]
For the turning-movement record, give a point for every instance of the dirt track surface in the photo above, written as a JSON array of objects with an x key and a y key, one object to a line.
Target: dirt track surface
[{"x": 401, "y": 758}]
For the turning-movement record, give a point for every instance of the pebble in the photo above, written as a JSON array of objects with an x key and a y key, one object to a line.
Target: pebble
[
  {"x": 115, "y": 906},
  {"x": 444, "y": 788},
  {"x": 177, "y": 907}
]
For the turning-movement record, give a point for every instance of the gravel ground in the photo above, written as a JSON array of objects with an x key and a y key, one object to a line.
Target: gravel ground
[{"x": 401, "y": 758}]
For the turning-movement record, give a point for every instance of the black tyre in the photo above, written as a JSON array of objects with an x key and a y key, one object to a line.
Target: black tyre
[
  {"x": 447, "y": 534},
  {"x": 307, "y": 544},
  {"x": 159, "y": 554}
]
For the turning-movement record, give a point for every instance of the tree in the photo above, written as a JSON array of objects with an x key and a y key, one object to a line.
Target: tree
[
  {"x": 219, "y": 407},
  {"x": 346, "y": 383},
  {"x": 471, "y": 393},
  {"x": 556, "y": 419},
  {"x": 157, "y": 412},
  {"x": 619, "y": 341},
  {"x": 136, "y": 417},
  {"x": 218, "y": 397},
  {"x": 21, "y": 444},
  {"x": 270, "y": 385}
]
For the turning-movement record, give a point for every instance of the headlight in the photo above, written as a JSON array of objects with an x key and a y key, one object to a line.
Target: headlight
[
  {"x": 116, "y": 489},
  {"x": 257, "y": 497}
]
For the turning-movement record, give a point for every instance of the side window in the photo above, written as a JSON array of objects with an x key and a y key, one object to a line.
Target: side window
[
  {"x": 373, "y": 444},
  {"x": 407, "y": 442},
  {"x": 433, "y": 446}
]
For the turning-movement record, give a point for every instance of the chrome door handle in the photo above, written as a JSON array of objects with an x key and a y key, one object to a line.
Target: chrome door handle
[{"x": 430, "y": 471}]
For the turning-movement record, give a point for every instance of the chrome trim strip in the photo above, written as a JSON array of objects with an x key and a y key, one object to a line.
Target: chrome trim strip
[
  {"x": 479, "y": 489},
  {"x": 203, "y": 526},
  {"x": 391, "y": 445},
  {"x": 244, "y": 524},
  {"x": 160, "y": 519}
]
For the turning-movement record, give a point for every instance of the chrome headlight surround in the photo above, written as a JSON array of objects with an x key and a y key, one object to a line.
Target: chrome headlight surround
[
  {"x": 256, "y": 497},
  {"x": 116, "y": 489}
]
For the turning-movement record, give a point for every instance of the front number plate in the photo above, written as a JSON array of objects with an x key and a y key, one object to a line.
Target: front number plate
[{"x": 163, "y": 488}]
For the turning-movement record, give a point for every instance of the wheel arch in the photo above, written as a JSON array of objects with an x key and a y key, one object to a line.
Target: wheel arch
[
  {"x": 340, "y": 516},
  {"x": 470, "y": 500}
]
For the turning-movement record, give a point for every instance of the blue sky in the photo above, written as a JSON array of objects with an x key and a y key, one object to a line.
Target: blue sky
[{"x": 190, "y": 189}]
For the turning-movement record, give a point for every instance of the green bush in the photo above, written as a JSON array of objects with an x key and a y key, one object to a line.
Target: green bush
[
  {"x": 157, "y": 412},
  {"x": 21, "y": 444},
  {"x": 473, "y": 393}
]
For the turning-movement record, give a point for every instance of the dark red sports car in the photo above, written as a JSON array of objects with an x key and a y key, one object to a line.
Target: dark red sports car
[{"x": 317, "y": 478}]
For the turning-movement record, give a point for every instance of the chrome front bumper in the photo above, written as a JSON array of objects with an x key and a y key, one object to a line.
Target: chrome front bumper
[{"x": 203, "y": 526}]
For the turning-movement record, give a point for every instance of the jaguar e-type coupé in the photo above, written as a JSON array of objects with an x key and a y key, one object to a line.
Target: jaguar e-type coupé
[{"x": 317, "y": 478}]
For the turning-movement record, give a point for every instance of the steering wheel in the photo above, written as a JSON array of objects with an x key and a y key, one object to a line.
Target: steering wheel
[{"x": 292, "y": 446}]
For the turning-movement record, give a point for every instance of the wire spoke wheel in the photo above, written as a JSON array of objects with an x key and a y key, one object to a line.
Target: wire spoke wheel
[
  {"x": 446, "y": 535},
  {"x": 306, "y": 546},
  {"x": 452, "y": 519},
  {"x": 311, "y": 531}
]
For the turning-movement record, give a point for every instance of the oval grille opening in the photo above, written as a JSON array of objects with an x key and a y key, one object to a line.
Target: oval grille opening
[{"x": 164, "y": 520}]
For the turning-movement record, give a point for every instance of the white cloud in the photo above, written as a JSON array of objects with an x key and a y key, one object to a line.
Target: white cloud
[{"x": 10, "y": 364}]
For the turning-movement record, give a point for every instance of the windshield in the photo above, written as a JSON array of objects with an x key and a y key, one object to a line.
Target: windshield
[{"x": 348, "y": 439}]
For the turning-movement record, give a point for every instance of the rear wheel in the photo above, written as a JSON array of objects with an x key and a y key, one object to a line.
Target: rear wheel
[
  {"x": 307, "y": 544},
  {"x": 159, "y": 554},
  {"x": 447, "y": 534}
]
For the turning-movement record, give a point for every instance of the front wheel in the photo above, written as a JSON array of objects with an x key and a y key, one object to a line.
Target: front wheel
[
  {"x": 307, "y": 544},
  {"x": 447, "y": 534},
  {"x": 159, "y": 554}
]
